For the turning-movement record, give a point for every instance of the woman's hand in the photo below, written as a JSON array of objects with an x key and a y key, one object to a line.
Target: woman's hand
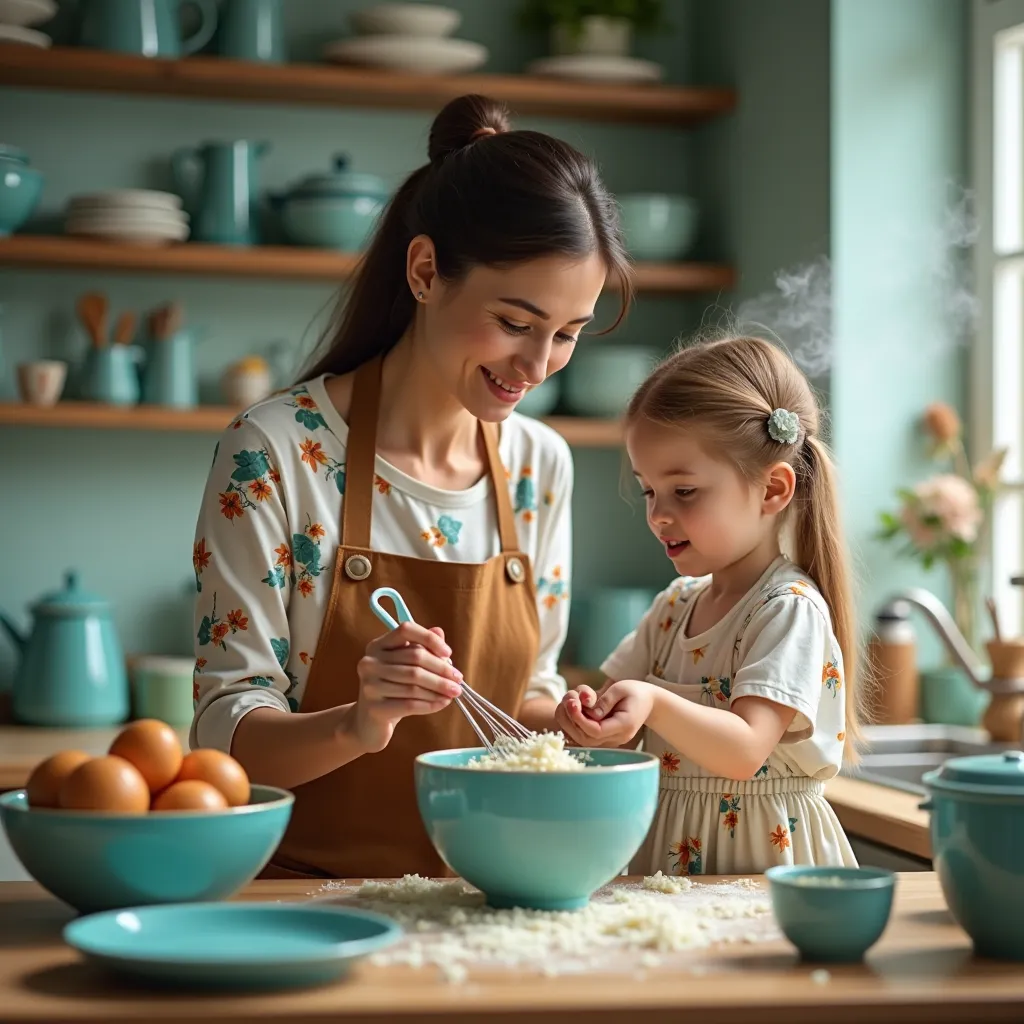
[{"x": 404, "y": 672}]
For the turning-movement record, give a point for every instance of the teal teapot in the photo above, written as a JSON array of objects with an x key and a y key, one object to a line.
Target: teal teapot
[{"x": 71, "y": 670}]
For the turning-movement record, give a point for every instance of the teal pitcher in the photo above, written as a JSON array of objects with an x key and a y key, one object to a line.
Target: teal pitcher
[
  {"x": 251, "y": 30},
  {"x": 219, "y": 185},
  {"x": 71, "y": 669},
  {"x": 149, "y": 28},
  {"x": 112, "y": 374}
]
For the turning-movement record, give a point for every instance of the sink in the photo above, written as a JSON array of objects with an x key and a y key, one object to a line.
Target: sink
[{"x": 899, "y": 755}]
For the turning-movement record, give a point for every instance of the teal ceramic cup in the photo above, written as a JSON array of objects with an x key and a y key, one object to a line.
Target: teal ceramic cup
[
  {"x": 977, "y": 835},
  {"x": 148, "y": 28},
  {"x": 831, "y": 915},
  {"x": 251, "y": 30},
  {"x": 93, "y": 860},
  {"x": 20, "y": 189},
  {"x": 604, "y": 616},
  {"x": 546, "y": 841},
  {"x": 658, "y": 226},
  {"x": 162, "y": 689}
]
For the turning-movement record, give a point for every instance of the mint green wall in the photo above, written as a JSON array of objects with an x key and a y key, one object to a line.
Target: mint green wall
[
  {"x": 121, "y": 507},
  {"x": 898, "y": 137}
]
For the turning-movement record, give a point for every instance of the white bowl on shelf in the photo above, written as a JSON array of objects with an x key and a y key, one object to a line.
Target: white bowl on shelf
[
  {"x": 415, "y": 54},
  {"x": 406, "y": 20},
  {"x": 22, "y": 13},
  {"x": 24, "y": 36},
  {"x": 133, "y": 228},
  {"x": 593, "y": 67}
]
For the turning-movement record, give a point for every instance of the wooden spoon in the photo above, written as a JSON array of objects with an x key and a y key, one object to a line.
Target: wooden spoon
[
  {"x": 92, "y": 311},
  {"x": 125, "y": 329}
]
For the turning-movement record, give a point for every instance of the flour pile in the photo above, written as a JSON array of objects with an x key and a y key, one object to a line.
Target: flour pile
[{"x": 628, "y": 928}]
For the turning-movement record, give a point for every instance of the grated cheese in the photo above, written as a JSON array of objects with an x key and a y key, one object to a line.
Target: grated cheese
[
  {"x": 623, "y": 928},
  {"x": 541, "y": 752}
]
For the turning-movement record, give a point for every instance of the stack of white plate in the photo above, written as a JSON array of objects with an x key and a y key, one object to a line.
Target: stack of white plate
[
  {"x": 135, "y": 216},
  {"x": 410, "y": 37},
  {"x": 17, "y": 15},
  {"x": 595, "y": 67}
]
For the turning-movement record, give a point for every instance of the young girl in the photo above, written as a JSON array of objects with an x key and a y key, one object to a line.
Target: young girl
[{"x": 741, "y": 674}]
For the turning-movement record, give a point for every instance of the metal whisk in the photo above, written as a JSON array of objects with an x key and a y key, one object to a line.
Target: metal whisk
[{"x": 492, "y": 717}]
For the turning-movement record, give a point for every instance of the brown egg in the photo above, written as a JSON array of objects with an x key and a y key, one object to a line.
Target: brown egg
[
  {"x": 190, "y": 795},
  {"x": 153, "y": 747},
  {"x": 105, "y": 783},
  {"x": 220, "y": 770},
  {"x": 43, "y": 786}
]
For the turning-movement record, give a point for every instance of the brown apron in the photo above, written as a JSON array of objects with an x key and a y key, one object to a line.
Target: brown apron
[{"x": 361, "y": 821}]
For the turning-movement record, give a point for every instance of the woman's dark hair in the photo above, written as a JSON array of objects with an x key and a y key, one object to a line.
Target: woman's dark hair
[{"x": 488, "y": 197}]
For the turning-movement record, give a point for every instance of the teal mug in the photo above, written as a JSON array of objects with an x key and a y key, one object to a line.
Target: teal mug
[
  {"x": 251, "y": 30},
  {"x": 169, "y": 377},
  {"x": 112, "y": 374},
  {"x": 148, "y": 28}
]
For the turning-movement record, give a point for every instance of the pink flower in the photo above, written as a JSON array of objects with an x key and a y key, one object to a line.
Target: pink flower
[{"x": 944, "y": 506}]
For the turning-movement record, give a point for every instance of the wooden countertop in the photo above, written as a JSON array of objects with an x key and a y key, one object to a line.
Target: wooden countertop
[
  {"x": 877, "y": 813},
  {"x": 922, "y": 969}
]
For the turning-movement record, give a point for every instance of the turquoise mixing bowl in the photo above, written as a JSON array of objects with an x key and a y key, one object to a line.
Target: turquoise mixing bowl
[
  {"x": 20, "y": 188},
  {"x": 98, "y": 861},
  {"x": 546, "y": 841},
  {"x": 831, "y": 915}
]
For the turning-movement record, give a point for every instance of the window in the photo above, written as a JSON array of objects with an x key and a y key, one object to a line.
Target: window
[{"x": 997, "y": 395}]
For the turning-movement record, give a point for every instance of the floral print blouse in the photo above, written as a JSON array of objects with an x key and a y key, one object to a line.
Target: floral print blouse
[{"x": 268, "y": 530}]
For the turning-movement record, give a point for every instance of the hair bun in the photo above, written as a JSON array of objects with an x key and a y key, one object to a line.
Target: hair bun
[{"x": 464, "y": 120}]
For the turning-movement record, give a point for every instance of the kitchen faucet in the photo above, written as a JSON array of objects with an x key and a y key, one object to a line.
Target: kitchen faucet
[{"x": 1004, "y": 716}]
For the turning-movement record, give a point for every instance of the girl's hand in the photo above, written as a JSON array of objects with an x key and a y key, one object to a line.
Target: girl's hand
[
  {"x": 404, "y": 672},
  {"x": 620, "y": 712},
  {"x": 571, "y": 717}
]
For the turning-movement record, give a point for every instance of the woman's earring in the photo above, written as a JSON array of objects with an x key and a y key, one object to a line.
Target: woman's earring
[{"x": 420, "y": 296}]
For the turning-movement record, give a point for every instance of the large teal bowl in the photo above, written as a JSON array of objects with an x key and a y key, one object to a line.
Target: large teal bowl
[
  {"x": 831, "y": 915},
  {"x": 97, "y": 861},
  {"x": 658, "y": 226},
  {"x": 20, "y": 188},
  {"x": 546, "y": 841},
  {"x": 977, "y": 837}
]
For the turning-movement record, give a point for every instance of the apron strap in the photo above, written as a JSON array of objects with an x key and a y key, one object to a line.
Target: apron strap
[
  {"x": 361, "y": 454},
  {"x": 360, "y": 461},
  {"x": 499, "y": 484}
]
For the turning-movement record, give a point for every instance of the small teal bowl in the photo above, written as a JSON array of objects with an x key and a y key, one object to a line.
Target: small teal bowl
[
  {"x": 20, "y": 189},
  {"x": 98, "y": 861},
  {"x": 658, "y": 226},
  {"x": 546, "y": 841},
  {"x": 831, "y": 915},
  {"x": 344, "y": 223}
]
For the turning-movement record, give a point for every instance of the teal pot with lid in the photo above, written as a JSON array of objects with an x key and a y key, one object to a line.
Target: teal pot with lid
[
  {"x": 977, "y": 833},
  {"x": 332, "y": 211}
]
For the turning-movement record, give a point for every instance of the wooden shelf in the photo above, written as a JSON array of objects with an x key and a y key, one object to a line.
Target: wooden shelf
[
  {"x": 584, "y": 433},
  {"x": 214, "y": 78},
  {"x": 284, "y": 262}
]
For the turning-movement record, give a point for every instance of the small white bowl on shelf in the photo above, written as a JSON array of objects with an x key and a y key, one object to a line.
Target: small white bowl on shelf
[
  {"x": 415, "y": 54},
  {"x": 23, "y": 13},
  {"x": 22, "y": 36},
  {"x": 406, "y": 20}
]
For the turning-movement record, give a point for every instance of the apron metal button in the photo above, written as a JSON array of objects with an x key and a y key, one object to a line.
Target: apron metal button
[
  {"x": 357, "y": 567},
  {"x": 514, "y": 568}
]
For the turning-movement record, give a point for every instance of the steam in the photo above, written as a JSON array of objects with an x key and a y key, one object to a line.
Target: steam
[{"x": 798, "y": 310}]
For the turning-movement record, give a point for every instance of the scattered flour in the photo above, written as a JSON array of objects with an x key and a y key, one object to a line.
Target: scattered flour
[
  {"x": 541, "y": 752},
  {"x": 624, "y": 928}
]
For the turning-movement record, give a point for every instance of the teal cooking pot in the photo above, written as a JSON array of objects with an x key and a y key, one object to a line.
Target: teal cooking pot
[
  {"x": 71, "y": 670},
  {"x": 977, "y": 832},
  {"x": 332, "y": 211}
]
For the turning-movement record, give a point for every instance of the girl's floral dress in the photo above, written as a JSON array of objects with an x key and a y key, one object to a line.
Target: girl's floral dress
[
  {"x": 777, "y": 643},
  {"x": 268, "y": 530}
]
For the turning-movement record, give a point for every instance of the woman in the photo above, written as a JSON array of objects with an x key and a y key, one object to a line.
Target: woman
[{"x": 386, "y": 468}]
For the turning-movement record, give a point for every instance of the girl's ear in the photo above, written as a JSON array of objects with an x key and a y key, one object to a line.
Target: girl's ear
[{"x": 779, "y": 488}]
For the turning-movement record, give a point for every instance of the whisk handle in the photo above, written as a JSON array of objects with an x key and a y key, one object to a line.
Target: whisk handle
[{"x": 401, "y": 609}]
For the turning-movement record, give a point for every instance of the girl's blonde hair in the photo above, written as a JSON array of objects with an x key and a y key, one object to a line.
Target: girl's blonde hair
[{"x": 728, "y": 389}]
